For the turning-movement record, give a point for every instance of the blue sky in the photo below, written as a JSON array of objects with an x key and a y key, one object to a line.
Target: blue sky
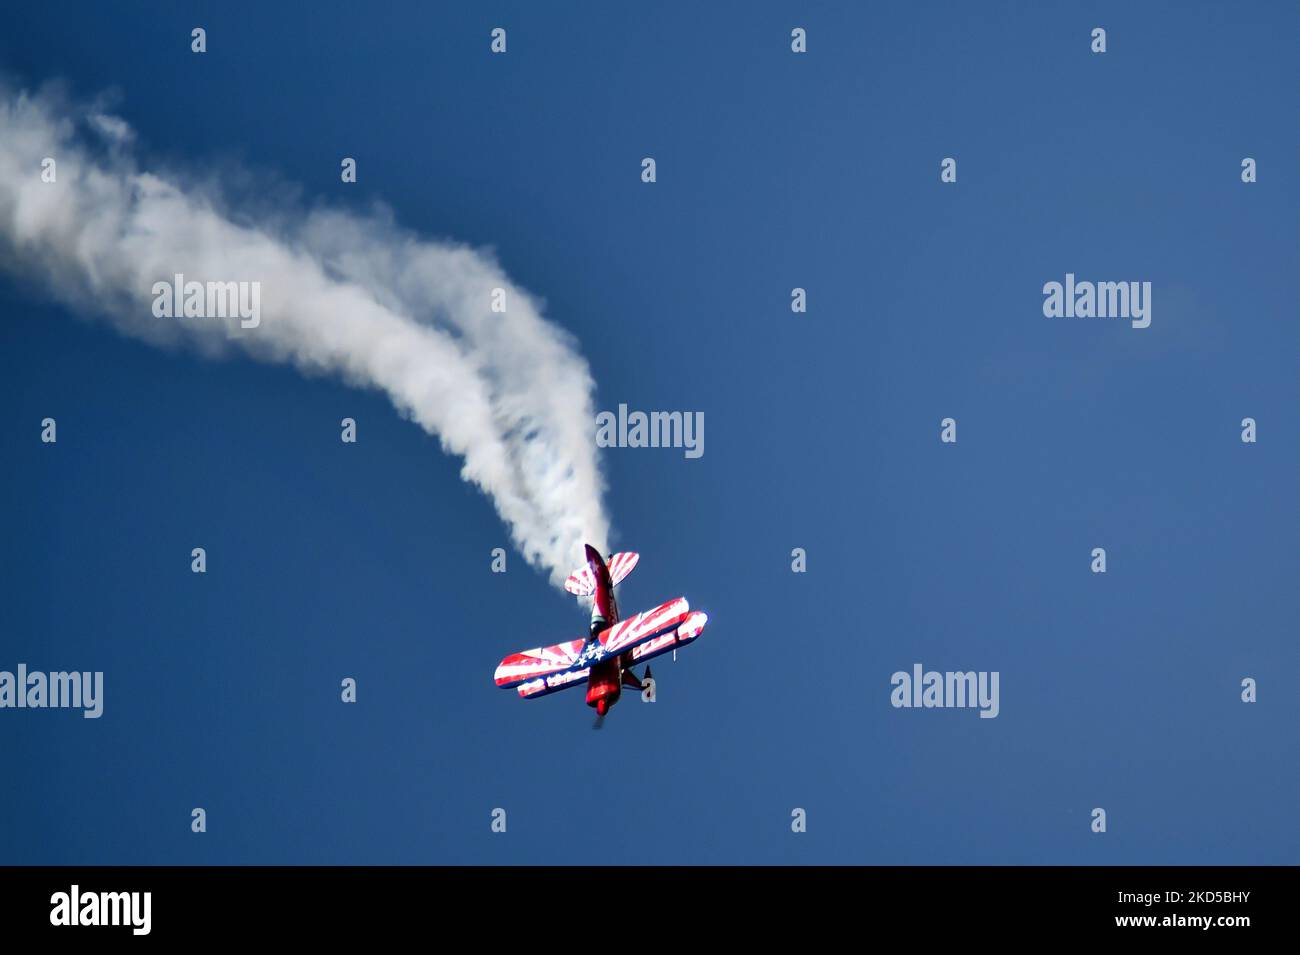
[{"x": 774, "y": 171}]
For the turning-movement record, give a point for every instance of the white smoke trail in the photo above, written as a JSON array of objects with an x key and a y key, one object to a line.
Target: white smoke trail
[{"x": 341, "y": 293}]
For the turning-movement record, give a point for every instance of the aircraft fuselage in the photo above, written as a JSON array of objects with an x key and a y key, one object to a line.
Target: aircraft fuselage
[{"x": 606, "y": 680}]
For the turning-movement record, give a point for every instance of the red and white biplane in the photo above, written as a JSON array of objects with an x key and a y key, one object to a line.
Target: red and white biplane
[{"x": 604, "y": 660}]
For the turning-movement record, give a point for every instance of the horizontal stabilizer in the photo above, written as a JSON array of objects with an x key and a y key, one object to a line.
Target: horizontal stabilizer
[
  {"x": 582, "y": 582},
  {"x": 621, "y": 564}
]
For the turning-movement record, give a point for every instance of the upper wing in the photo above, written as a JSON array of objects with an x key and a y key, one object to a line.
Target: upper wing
[
  {"x": 690, "y": 628},
  {"x": 621, "y": 564},
  {"x": 644, "y": 626},
  {"x": 531, "y": 664}
]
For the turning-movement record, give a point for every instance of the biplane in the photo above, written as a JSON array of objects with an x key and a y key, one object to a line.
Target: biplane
[{"x": 604, "y": 659}]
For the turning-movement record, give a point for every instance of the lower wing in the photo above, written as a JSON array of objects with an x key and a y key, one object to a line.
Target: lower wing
[{"x": 553, "y": 683}]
